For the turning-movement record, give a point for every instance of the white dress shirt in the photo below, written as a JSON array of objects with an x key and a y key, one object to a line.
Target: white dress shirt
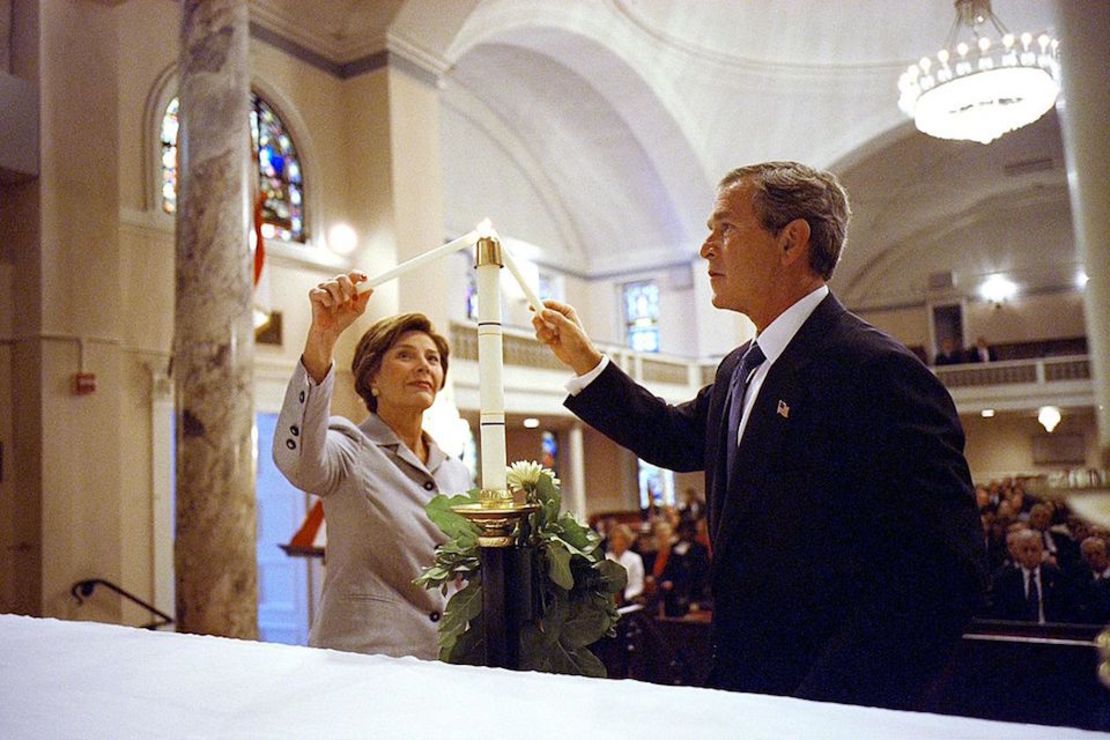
[
  {"x": 634, "y": 564},
  {"x": 773, "y": 341}
]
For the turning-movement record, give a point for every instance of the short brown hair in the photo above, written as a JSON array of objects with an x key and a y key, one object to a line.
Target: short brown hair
[
  {"x": 785, "y": 191},
  {"x": 377, "y": 340}
]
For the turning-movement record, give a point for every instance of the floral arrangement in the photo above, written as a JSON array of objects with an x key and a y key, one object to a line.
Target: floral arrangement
[{"x": 574, "y": 585}]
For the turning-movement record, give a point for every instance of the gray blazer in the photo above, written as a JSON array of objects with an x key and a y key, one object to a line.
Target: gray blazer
[{"x": 379, "y": 537}]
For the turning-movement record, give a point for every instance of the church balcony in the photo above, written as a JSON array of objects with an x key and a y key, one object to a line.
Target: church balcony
[{"x": 534, "y": 379}]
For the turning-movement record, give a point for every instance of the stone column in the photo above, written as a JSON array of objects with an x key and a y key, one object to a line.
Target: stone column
[
  {"x": 214, "y": 553},
  {"x": 1084, "y": 28}
]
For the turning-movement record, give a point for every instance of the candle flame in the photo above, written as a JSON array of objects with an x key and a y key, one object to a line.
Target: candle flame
[{"x": 485, "y": 230}]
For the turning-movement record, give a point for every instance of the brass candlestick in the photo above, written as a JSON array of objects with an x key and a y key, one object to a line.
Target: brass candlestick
[{"x": 497, "y": 515}]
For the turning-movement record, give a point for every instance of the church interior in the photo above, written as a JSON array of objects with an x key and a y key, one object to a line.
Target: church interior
[{"x": 592, "y": 134}]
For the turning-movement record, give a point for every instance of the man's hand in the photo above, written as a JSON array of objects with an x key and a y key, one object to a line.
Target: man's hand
[{"x": 560, "y": 329}]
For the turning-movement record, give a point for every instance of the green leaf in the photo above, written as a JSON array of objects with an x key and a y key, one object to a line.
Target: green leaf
[
  {"x": 461, "y": 609},
  {"x": 558, "y": 564},
  {"x": 584, "y": 539},
  {"x": 455, "y": 526},
  {"x": 548, "y": 496},
  {"x": 614, "y": 577},
  {"x": 535, "y": 647},
  {"x": 587, "y": 664},
  {"x": 585, "y": 624},
  {"x": 469, "y": 648}
]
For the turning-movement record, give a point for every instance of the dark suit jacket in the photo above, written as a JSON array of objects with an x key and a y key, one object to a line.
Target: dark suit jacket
[
  {"x": 847, "y": 554},
  {"x": 1058, "y": 597}
]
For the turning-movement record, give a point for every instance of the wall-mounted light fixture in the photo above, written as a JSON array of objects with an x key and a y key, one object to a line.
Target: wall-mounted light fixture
[
  {"x": 342, "y": 239},
  {"x": 531, "y": 423},
  {"x": 987, "y": 413}
]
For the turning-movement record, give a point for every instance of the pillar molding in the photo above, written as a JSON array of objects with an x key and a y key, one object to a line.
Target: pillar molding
[{"x": 1084, "y": 28}]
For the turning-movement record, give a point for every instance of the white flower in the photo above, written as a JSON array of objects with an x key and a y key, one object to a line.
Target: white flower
[{"x": 523, "y": 475}]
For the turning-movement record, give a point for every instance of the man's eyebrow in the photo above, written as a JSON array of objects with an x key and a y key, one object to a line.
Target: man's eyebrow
[{"x": 717, "y": 216}]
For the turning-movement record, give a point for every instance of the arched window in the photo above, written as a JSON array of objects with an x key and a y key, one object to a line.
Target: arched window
[
  {"x": 280, "y": 179},
  {"x": 641, "y": 315}
]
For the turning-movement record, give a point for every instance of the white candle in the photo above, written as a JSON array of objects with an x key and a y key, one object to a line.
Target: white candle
[
  {"x": 491, "y": 390},
  {"x": 507, "y": 257},
  {"x": 466, "y": 240}
]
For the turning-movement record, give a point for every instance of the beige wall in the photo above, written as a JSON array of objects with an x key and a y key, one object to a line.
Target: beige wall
[
  {"x": 1003, "y": 445},
  {"x": 1024, "y": 318},
  {"x": 1027, "y": 318}
]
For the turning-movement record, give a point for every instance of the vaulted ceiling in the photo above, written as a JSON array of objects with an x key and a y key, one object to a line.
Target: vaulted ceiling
[{"x": 620, "y": 115}]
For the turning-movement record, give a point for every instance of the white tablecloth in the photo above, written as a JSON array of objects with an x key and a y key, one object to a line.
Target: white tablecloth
[{"x": 84, "y": 680}]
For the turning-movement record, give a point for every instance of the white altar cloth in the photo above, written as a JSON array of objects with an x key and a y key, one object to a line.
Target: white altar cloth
[{"x": 63, "y": 679}]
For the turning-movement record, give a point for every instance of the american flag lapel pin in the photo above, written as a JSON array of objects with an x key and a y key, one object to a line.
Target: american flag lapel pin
[{"x": 783, "y": 410}]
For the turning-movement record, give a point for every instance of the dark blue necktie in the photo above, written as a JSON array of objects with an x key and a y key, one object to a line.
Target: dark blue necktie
[
  {"x": 737, "y": 388},
  {"x": 1033, "y": 598}
]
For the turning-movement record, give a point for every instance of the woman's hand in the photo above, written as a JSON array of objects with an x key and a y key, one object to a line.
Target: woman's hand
[{"x": 336, "y": 304}]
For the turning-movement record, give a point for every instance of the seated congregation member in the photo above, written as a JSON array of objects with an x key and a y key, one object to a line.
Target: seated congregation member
[
  {"x": 981, "y": 352},
  {"x": 620, "y": 540},
  {"x": 1034, "y": 591},
  {"x": 374, "y": 477},
  {"x": 684, "y": 582},
  {"x": 950, "y": 353},
  {"x": 1095, "y": 581},
  {"x": 655, "y": 560},
  {"x": 821, "y": 412},
  {"x": 1059, "y": 548}
]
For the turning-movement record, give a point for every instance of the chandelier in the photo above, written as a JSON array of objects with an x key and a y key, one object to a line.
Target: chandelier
[{"x": 981, "y": 88}]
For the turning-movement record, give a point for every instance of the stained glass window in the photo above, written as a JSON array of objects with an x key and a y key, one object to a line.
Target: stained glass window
[
  {"x": 641, "y": 315},
  {"x": 168, "y": 136},
  {"x": 472, "y": 294},
  {"x": 656, "y": 486},
  {"x": 280, "y": 179}
]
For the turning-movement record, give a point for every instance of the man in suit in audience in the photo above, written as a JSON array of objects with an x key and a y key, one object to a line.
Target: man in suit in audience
[
  {"x": 1095, "y": 581},
  {"x": 950, "y": 353},
  {"x": 1034, "y": 591},
  {"x": 822, "y": 413},
  {"x": 1058, "y": 546},
  {"x": 981, "y": 352}
]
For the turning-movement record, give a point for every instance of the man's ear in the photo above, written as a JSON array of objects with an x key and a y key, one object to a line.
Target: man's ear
[{"x": 794, "y": 241}]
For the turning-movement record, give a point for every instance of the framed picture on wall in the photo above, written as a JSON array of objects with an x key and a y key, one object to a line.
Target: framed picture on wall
[{"x": 1059, "y": 449}]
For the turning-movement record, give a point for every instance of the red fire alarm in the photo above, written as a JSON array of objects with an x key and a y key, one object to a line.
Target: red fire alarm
[{"x": 84, "y": 383}]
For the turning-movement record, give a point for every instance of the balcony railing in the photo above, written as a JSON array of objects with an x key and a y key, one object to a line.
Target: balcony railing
[
  {"x": 1040, "y": 371},
  {"x": 1012, "y": 384}
]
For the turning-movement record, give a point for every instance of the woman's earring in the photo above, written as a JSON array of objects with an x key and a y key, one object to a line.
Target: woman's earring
[{"x": 374, "y": 392}]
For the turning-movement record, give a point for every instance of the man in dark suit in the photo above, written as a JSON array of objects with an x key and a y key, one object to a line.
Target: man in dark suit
[
  {"x": 847, "y": 556},
  {"x": 950, "y": 353},
  {"x": 981, "y": 352},
  {"x": 1032, "y": 590}
]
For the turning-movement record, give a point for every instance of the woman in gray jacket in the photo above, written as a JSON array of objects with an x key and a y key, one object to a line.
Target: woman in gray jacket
[{"x": 374, "y": 477}]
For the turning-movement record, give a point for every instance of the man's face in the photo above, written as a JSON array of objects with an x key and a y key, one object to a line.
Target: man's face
[
  {"x": 1040, "y": 517},
  {"x": 1094, "y": 552},
  {"x": 1029, "y": 551},
  {"x": 743, "y": 257}
]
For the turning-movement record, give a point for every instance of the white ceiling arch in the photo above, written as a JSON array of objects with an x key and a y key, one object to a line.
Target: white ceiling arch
[{"x": 626, "y": 163}]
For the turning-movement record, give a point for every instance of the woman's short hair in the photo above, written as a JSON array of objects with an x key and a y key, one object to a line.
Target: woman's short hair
[
  {"x": 786, "y": 191},
  {"x": 376, "y": 342},
  {"x": 625, "y": 531}
]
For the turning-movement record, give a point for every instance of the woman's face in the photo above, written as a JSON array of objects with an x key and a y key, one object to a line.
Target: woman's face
[{"x": 411, "y": 373}]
